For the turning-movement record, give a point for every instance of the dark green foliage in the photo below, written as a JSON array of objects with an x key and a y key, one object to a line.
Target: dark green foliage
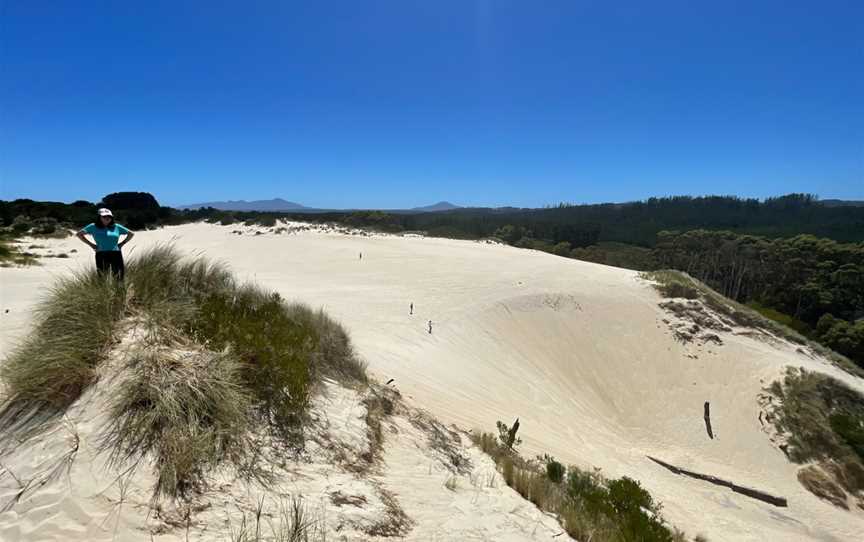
[
  {"x": 507, "y": 435},
  {"x": 850, "y": 430},
  {"x": 617, "y": 255},
  {"x": 640, "y": 515},
  {"x": 782, "y": 319},
  {"x": 268, "y": 221},
  {"x": 133, "y": 209},
  {"x": 803, "y": 282},
  {"x": 842, "y": 336},
  {"x": 139, "y": 201},
  {"x": 824, "y": 421},
  {"x": 21, "y": 225},
  {"x": 273, "y": 343},
  {"x": 554, "y": 470},
  {"x": 587, "y": 505}
]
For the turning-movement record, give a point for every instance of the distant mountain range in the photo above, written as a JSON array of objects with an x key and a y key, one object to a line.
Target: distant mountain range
[
  {"x": 283, "y": 206},
  {"x": 277, "y": 204},
  {"x": 440, "y": 206}
]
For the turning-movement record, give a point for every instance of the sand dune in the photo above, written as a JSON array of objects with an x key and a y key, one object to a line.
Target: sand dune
[{"x": 578, "y": 351}]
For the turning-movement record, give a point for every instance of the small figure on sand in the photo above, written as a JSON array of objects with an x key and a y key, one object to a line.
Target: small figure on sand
[
  {"x": 411, "y": 309},
  {"x": 430, "y": 327},
  {"x": 361, "y": 255}
]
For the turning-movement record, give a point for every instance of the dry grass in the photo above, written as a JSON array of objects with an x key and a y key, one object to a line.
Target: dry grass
[
  {"x": 183, "y": 406},
  {"x": 293, "y": 521},
  {"x": 823, "y": 486}
]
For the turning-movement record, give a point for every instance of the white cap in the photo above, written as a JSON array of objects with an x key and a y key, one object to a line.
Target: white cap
[{"x": 105, "y": 212}]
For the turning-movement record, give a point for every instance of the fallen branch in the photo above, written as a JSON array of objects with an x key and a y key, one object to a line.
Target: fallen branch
[{"x": 750, "y": 492}]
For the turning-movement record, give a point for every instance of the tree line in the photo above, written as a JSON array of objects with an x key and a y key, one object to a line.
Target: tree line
[{"x": 814, "y": 285}]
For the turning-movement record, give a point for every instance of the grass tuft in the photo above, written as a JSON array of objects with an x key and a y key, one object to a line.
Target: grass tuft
[
  {"x": 73, "y": 330},
  {"x": 184, "y": 406}
]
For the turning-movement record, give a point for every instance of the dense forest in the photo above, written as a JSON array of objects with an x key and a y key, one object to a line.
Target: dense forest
[
  {"x": 794, "y": 259},
  {"x": 814, "y": 285}
]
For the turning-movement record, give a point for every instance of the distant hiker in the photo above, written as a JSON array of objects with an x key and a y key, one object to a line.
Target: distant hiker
[
  {"x": 107, "y": 234},
  {"x": 430, "y": 327},
  {"x": 361, "y": 255},
  {"x": 411, "y": 309}
]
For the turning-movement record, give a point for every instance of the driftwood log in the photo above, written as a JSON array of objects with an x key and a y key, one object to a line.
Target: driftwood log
[
  {"x": 707, "y": 417},
  {"x": 750, "y": 492}
]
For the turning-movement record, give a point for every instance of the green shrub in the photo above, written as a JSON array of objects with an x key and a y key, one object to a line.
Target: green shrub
[
  {"x": 588, "y": 506},
  {"x": 554, "y": 470},
  {"x": 273, "y": 343},
  {"x": 507, "y": 435},
  {"x": 823, "y": 419},
  {"x": 850, "y": 429}
]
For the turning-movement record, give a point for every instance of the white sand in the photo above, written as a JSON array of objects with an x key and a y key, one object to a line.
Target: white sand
[{"x": 577, "y": 351}]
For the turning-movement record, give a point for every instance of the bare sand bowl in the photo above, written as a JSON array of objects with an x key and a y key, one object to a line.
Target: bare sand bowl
[{"x": 582, "y": 353}]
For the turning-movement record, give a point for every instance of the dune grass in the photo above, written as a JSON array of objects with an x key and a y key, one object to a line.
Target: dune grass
[
  {"x": 216, "y": 358},
  {"x": 74, "y": 328},
  {"x": 823, "y": 420},
  {"x": 293, "y": 521},
  {"x": 184, "y": 406},
  {"x": 587, "y": 505}
]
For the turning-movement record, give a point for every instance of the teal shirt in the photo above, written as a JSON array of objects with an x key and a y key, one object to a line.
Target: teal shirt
[{"x": 106, "y": 238}]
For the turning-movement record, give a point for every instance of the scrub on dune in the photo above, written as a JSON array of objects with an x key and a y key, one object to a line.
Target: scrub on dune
[{"x": 106, "y": 234}]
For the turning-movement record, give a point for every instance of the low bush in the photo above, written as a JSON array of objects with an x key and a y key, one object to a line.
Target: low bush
[
  {"x": 554, "y": 470},
  {"x": 588, "y": 506},
  {"x": 823, "y": 421}
]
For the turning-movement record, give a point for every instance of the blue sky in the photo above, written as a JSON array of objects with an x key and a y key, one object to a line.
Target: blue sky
[{"x": 406, "y": 102}]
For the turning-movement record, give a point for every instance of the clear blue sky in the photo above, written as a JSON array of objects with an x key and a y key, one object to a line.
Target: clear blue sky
[{"x": 406, "y": 102}]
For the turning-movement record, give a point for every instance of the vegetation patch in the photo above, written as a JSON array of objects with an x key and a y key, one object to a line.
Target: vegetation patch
[
  {"x": 184, "y": 406},
  {"x": 215, "y": 356},
  {"x": 822, "y": 421},
  {"x": 676, "y": 284},
  {"x": 10, "y": 255},
  {"x": 74, "y": 328},
  {"x": 587, "y": 505}
]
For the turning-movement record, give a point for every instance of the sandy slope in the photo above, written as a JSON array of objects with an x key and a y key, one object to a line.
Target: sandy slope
[{"x": 578, "y": 351}]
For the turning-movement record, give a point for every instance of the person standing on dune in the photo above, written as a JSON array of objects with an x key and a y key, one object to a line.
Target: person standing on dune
[{"x": 106, "y": 234}]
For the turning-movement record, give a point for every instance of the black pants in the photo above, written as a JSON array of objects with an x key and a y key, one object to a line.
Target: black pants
[{"x": 110, "y": 260}]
